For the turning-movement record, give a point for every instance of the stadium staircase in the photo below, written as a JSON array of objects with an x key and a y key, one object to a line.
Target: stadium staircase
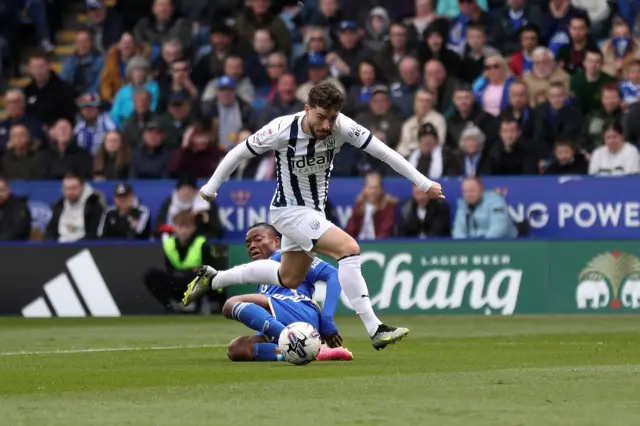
[{"x": 74, "y": 17}]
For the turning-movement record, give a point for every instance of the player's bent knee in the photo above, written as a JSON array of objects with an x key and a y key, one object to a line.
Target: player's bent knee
[
  {"x": 227, "y": 308},
  {"x": 240, "y": 349},
  {"x": 349, "y": 247}
]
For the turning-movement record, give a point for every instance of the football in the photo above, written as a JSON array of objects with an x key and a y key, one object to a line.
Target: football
[{"x": 299, "y": 343}]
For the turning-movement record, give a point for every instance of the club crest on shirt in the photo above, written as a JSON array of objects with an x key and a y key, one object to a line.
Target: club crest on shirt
[{"x": 329, "y": 142}]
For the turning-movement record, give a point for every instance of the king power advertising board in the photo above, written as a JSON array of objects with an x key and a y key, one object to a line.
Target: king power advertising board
[{"x": 565, "y": 207}]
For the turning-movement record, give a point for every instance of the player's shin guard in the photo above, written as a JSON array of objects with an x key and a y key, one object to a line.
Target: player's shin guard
[
  {"x": 355, "y": 288},
  {"x": 266, "y": 352},
  {"x": 258, "y": 319},
  {"x": 257, "y": 272}
]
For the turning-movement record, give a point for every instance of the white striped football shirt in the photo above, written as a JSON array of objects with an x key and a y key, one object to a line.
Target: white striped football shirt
[{"x": 303, "y": 164}]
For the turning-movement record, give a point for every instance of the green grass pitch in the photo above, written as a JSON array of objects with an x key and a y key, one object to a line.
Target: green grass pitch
[{"x": 470, "y": 371}]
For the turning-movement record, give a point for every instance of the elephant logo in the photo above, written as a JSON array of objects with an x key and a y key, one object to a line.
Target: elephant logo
[{"x": 609, "y": 279}]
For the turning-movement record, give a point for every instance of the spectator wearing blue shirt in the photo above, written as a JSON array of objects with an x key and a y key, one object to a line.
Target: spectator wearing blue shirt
[
  {"x": 360, "y": 93},
  {"x": 138, "y": 75},
  {"x": 482, "y": 214},
  {"x": 92, "y": 126},
  {"x": 82, "y": 70},
  {"x": 470, "y": 13},
  {"x": 15, "y": 105},
  {"x": 404, "y": 90},
  {"x": 630, "y": 86}
]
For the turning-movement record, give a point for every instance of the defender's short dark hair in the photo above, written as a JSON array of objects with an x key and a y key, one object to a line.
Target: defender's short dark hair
[
  {"x": 267, "y": 226},
  {"x": 326, "y": 96}
]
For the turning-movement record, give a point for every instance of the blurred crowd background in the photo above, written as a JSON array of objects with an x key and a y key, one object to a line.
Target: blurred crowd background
[{"x": 122, "y": 90}]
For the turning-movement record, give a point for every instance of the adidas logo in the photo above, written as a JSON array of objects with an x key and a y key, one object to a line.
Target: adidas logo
[{"x": 90, "y": 294}]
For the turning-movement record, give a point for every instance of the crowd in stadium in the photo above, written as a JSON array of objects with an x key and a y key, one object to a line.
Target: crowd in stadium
[{"x": 467, "y": 88}]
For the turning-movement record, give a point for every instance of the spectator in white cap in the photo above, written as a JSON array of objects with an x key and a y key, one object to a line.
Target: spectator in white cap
[
  {"x": 138, "y": 76},
  {"x": 92, "y": 125}
]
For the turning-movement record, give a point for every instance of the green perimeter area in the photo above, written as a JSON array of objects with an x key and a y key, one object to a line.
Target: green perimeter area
[{"x": 579, "y": 370}]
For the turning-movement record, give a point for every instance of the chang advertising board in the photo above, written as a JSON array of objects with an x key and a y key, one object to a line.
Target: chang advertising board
[
  {"x": 565, "y": 207},
  {"x": 472, "y": 278}
]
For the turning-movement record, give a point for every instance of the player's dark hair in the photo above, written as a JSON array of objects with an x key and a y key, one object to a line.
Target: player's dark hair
[
  {"x": 266, "y": 226},
  {"x": 326, "y": 96}
]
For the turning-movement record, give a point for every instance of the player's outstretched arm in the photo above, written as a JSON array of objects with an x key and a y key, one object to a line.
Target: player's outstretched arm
[
  {"x": 228, "y": 165},
  {"x": 382, "y": 152},
  {"x": 362, "y": 138},
  {"x": 258, "y": 143}
]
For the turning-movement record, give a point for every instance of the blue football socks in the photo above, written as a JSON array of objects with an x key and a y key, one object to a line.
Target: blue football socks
[
  {"x": 257, "y": 318},
  {"x": 266, "y": 352}
]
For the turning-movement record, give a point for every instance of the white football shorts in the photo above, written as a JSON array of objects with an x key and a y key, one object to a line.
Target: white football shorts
[{"x": 301, "y": 227}]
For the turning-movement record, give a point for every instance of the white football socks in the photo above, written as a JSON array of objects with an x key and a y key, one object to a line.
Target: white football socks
[
  {"x": 257, "y": 272},
  {"x": 355, "y": 288}
]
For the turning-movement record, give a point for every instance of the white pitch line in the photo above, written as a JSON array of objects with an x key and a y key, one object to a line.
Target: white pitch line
[{"x": 123, "y": 349}]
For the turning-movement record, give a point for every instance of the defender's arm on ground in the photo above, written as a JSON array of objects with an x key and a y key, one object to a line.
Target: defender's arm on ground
[{"x": 260, "y": 142}]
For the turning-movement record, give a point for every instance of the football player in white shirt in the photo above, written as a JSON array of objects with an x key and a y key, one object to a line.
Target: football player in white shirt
[{"x": 305, "y": 145}]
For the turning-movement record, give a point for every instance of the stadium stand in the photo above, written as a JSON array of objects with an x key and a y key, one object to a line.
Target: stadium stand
[{"x": 119, "y": 90}]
